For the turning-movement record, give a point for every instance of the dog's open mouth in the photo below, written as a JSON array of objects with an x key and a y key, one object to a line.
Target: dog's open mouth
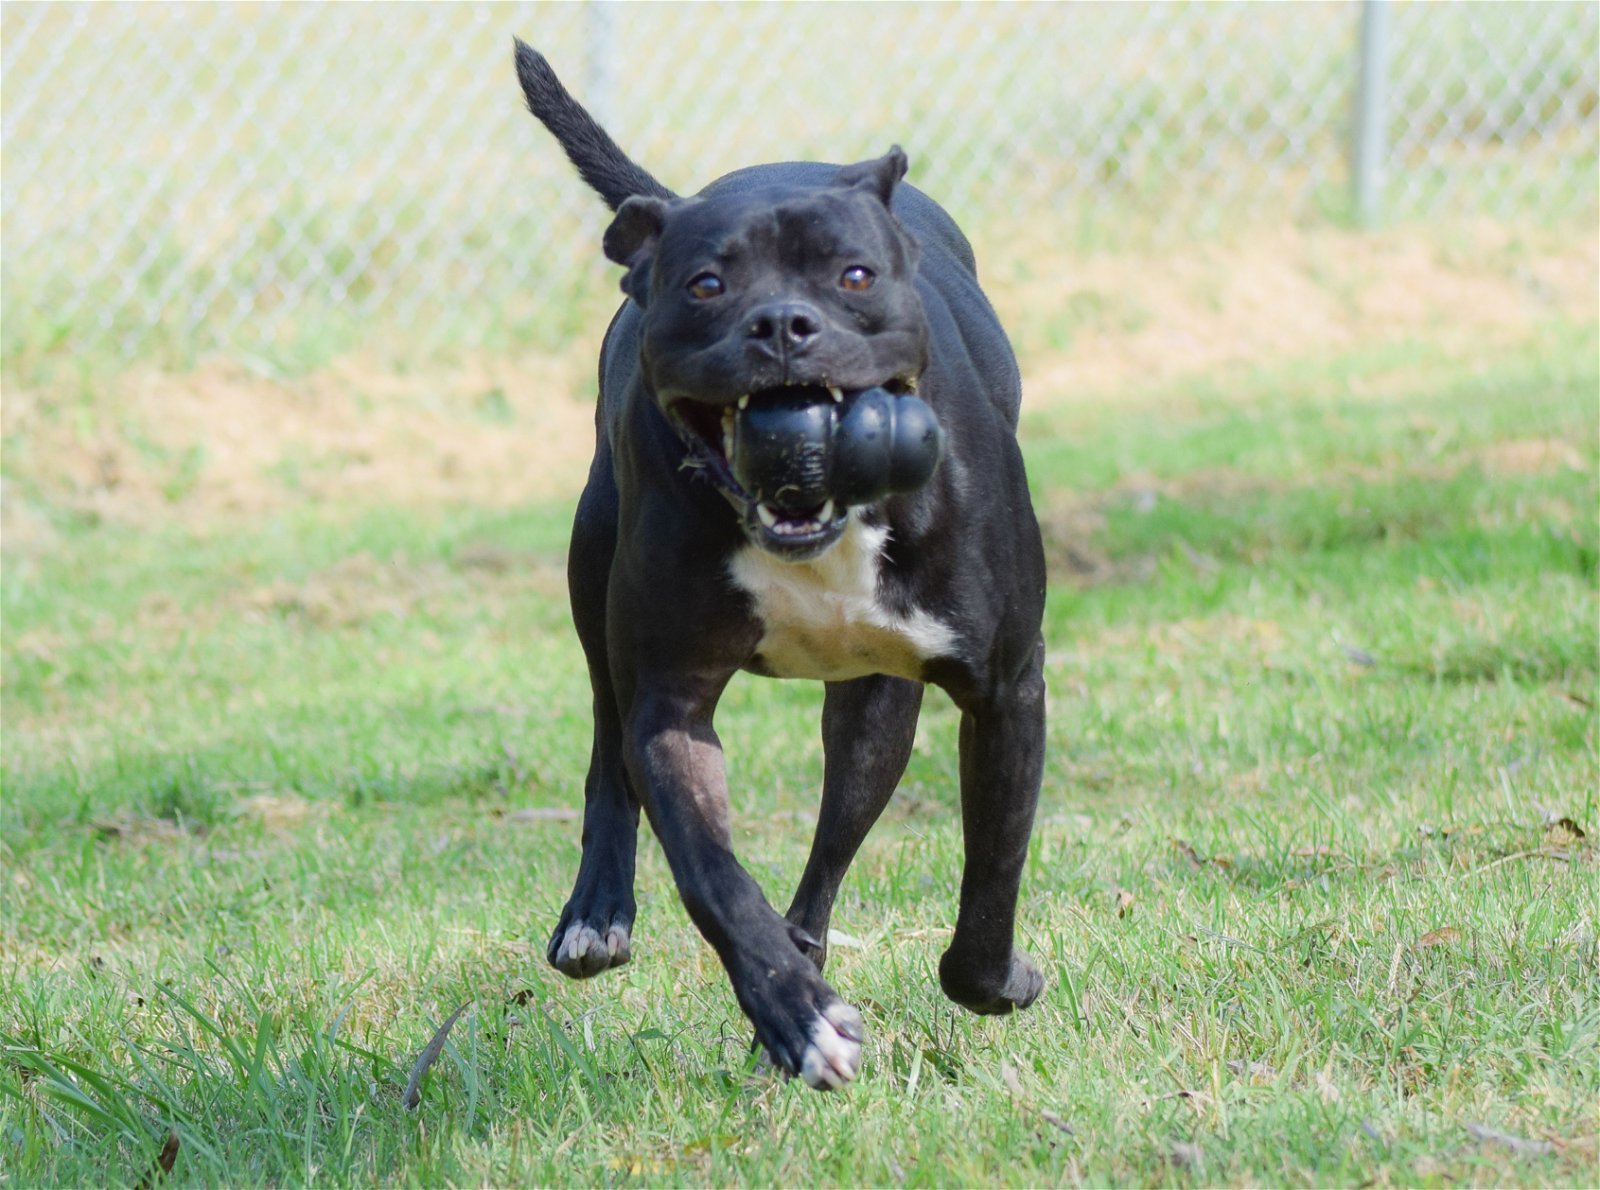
[{"x": 785, "y": 506}]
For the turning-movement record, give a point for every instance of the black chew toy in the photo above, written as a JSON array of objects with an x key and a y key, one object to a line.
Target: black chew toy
[
  {"x": 781, "y": 444},
  {"x": 883, "y": 444},
  {"x": 794, "y": 452}
]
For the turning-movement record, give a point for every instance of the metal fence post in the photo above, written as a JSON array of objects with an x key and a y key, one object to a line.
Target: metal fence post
[{"x": 1369, "y": 139}]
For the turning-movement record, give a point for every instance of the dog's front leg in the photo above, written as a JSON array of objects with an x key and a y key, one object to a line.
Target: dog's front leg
[
  {"x": 1002, "y": 763},
  {"x": 677, "y": 764},
  {"x": 595, "y": 932}
]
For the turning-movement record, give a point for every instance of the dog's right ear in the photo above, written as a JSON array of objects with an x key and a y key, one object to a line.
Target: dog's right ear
[{"x": 631, "y": 241}]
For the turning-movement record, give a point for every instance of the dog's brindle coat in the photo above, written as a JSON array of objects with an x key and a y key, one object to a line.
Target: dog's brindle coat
[{"x": 796, "y": 274}]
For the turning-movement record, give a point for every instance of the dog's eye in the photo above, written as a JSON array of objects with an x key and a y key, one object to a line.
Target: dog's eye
[
  {"x": 706, "y": 285},
  {"x": 858, "y": 277}
]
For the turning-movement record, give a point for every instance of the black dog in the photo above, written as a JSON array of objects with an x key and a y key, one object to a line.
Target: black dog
[{"x": 783, "y": 279}]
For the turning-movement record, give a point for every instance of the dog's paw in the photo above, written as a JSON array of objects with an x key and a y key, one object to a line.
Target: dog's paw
[
  {"x": 579, "y": 950},
  {"x": 832, "y": 1055},
  {"x": 980, "y": 992},
  {"x": 825, "y": 1051}
]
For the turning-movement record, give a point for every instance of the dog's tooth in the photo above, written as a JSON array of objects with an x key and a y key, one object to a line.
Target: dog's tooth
[
  {"x": 836, "y": 391},
  {"x": 768, "y": 517},
  {"x": 826, "y": 514},
  {"x": 744, "y": 401}
]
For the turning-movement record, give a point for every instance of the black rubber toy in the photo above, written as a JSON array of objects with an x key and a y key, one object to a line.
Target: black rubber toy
[
  {"x": 794, "y": 452},
  {"x": 781, "y": 447},
  {"x": 883, "y": 445}
]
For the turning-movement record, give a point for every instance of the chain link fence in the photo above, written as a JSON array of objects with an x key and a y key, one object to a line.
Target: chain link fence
[{"x": 188, "y": 178}]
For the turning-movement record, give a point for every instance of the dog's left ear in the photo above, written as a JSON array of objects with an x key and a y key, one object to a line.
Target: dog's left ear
[
  {"x": 631, "y": 241},
  {"x": 880, "y": 175}
]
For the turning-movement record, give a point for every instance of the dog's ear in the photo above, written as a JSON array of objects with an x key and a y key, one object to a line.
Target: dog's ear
[
  {"x": 631, "y": 241},
  {"x": 880, "y": 175}
]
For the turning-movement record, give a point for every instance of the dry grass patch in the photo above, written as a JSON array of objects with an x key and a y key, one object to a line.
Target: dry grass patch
[
  {"x": 225, "y": 444},
  {"x": 230, "y": 442}
]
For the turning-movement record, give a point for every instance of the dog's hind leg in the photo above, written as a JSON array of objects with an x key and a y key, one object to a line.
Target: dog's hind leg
[
  {"x": 1002, "y": 762},
  {"x": 596, "y": 927},
  {"x": 868, "y": 726}
]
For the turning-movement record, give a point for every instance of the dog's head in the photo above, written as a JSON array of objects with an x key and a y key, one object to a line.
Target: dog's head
[{"x": 775, "y": 288}]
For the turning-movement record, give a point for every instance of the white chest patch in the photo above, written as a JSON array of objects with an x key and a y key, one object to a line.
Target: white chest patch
[{"x": 823, "y": 618}]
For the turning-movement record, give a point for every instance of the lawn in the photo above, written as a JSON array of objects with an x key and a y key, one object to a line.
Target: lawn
[{"x": 1314, "y": 880}]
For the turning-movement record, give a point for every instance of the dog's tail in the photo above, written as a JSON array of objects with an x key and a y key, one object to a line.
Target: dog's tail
[{"x": 603, "y": 165}]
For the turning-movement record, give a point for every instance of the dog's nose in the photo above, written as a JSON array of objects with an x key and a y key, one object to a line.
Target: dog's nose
[{"x": 784, "y": 326}]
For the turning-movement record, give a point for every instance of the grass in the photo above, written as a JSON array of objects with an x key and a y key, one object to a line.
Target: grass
[{"x": 1314, "y": 877}]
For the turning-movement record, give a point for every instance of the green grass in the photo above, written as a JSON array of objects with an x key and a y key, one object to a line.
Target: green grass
[{"x": 280, "y": 796}]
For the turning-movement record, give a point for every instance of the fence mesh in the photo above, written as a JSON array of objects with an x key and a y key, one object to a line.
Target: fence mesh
[{"x": 194, "y": 177}]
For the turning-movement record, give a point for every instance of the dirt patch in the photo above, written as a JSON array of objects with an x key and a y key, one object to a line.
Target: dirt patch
[
  {"x": 225, "y": 443},
  {"x": 1102, "y": 324}
]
